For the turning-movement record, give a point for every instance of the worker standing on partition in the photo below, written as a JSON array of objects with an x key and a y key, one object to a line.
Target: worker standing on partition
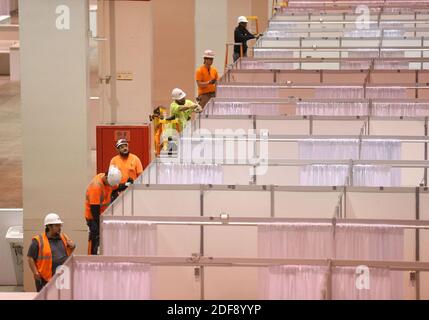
[
  {"x": 182, "y": 108},
  {"x": 242, "y": 35},
  {"x": 98, "y": 198},
  {"x": 129, "y": 165},
  {"x": 49, "y": 250},
  {"x": 206, "y": 77}
]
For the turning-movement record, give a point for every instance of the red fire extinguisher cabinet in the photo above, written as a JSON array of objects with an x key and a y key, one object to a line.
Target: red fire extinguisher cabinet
[{"x": 138, "y": 137}]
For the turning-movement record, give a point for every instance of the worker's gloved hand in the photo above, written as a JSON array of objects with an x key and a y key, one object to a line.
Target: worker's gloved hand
[
  {"x": 129, "y": 182},
  {"x": 213, "y": 81}
]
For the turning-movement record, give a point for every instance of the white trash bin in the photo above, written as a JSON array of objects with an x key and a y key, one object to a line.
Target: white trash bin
[{"x": 15, "y": 237}]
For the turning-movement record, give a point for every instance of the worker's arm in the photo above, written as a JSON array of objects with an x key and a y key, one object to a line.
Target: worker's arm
[
  {"x": 184, "y": 108},
  {"x": 204, "y": 84},
  {"x": 33, "y": 268},
  {"x": 33, "y": 252},
  {"x": 243, "y": 37}
]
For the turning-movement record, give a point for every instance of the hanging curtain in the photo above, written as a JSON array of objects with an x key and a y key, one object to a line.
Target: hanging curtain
[
  {"x": 400, "y": 109},
  {"x": 324, "y": 175},
  {"x": 129, "y": 238},
  {"x": 244, "y": 108},
  {"x": 376, "y": 176},
  {"x": 329, "y": 149},
  {"x": 336, "y": 175},
  {"x": 4, "y": 7},
  {"x": 381, "y": 150},
  {"x": 368, "y": 242},
  {"x": 182, "y": 173},
  {"x": 343, "y": 149},
  {"x": 328, "y": 108},
  {"x": 247, "y": 92},
  {"x": 111, "y": 281},
  {"x": 383, "y": 285},
  {"x": 272, "y": 53},
  {"x": 263, "y": 65},
  {"x": 293, "y": 283},
  {"x": 386, "y": 93},
  {"x": 348, "y": 92},
  {"x": 312, "y": 241},
  {"x": 297, "y": 240}
]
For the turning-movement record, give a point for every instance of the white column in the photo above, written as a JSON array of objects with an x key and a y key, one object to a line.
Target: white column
[{"x": 54, "y": 90}]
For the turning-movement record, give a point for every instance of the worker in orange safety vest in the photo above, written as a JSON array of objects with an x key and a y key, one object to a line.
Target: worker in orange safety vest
[
  {"x": 98, "y": 199},
  {"x": 49, "y": 250}
]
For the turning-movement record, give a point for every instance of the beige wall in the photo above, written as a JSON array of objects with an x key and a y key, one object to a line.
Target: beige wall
[
  {"x": 54, "y": 95},
  {"x": 173, "y": 47},
  {"x": 211, "y": 16},
  {"x": 133, "y": 21}
]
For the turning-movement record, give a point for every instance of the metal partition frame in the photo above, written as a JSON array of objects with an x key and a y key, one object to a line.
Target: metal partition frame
[{"x": 206, "y": 262}]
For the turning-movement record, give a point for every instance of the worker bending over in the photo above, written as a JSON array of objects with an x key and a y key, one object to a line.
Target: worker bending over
[
  {"x": 206, "y": 77},
  {"x": 129, "y": 165},
  {"x": 98, "y": 198},
  {"x": 48, "y": 251}
]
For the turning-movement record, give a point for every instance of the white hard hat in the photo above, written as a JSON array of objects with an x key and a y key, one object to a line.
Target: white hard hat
[
  {"x": 114, "y": 176},
  {"x": 242, "y": 19},
  {"x": 178, "y": 94},
  {"x": 209, "y": 54},
  {"x": 121, "y": 142},
  {"x": 52, "y": 218}
]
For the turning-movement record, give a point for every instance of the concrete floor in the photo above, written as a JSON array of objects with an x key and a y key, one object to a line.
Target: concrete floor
[
  {"x": 11, "y": 289},
  {"x": 10, "y": 145}
]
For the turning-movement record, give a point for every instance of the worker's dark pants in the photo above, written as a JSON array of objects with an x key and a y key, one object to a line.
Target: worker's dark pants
[
  {"x": 203, "y": 99},
  {"x": 236, "y": 55},
  {"x": 40, "y": 284},
  {"x": 94, "y": 237}
]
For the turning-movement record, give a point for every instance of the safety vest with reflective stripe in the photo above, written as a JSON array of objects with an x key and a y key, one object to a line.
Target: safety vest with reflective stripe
[{"x": 44, "y": 258}]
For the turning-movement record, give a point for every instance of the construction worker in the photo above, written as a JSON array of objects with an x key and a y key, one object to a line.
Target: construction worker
[
  {"x": 182, "y": 108},
  {"x": 49, "y": 250},
  {"x": 206, "y": 77},
  {"x": 129, "y": 164},
  {"x": 242, "y": 35},
  {"x": 157, "y": 118},
  {"x": 98, "y": 198}
]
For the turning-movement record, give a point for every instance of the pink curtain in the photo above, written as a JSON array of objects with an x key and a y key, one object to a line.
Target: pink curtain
[
  {"x": 312, "y": 241},
  {"x": 243, "y": 108},
  {"x": 111, "y": 281},
  {"x": 4, "y": 7},
  {"x": 383, "y": 285},
  {"x": 129, "y": 238},
  {"x": 247, "y": 92},
  {"x": 293, "y": 283}
]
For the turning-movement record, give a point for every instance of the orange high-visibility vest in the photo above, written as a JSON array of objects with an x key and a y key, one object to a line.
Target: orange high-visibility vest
[{"x": 44, "y": 258}]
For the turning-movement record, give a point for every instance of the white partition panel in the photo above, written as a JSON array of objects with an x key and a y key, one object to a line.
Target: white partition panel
[
  {"x": 175, "y": 283},
  {"x": 299, "y": 205},
  {"x": 284, "y": 127},
  {"x": 233, "y": 124},
  {"x": 237, "y": 175},
  {"x": 237, "y": 203},
  {"x": 231, "y": 283},
  {"x": 381, "y": 205},
  {"x": 283, "y": 150},
  {"x": 233, "y": 242},
  {"x": 166, "y": 202},
  {"x": 338, "y": 127},
  {"x": 280, "y": 176}
]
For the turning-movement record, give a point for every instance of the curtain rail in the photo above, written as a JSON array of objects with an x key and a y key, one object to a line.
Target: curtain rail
[
  {"x": 251, "y": 221},
  {"x": 253, "y": 262}
]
